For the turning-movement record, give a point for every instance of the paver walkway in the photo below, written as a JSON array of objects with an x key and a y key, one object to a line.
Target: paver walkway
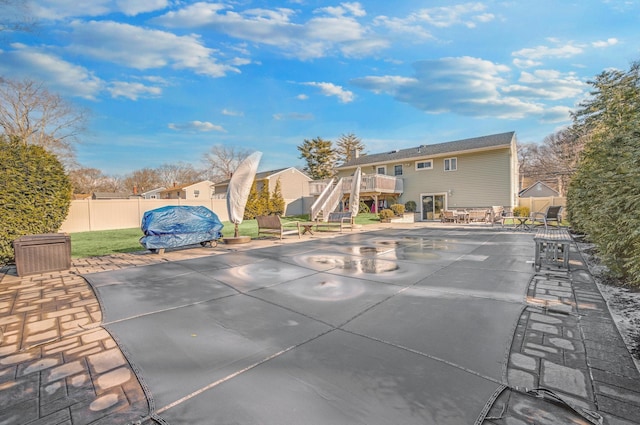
[{"x": 57, "y": 366}]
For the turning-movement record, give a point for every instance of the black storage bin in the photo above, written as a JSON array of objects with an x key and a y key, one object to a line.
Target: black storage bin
[{"x": 47, "y": 252}]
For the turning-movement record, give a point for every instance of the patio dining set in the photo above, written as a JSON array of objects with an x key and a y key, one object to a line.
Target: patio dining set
[{"x": 495, "y": 215}]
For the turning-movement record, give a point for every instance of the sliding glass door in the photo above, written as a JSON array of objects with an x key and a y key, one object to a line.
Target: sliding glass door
[{"x": 432, "y": 205}]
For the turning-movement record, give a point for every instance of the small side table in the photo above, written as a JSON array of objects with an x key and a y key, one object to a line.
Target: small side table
[
  {"x": 522, "y": 223},
  {"x": 549, "y": 244}
]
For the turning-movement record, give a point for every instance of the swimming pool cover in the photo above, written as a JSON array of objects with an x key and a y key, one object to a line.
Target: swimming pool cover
[{"x": 370, "y": 328}]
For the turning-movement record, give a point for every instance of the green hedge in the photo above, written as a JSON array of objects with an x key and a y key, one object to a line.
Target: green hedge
[
  {"x": 34, "y": 196},
  {"x": 603, "y": 202}
]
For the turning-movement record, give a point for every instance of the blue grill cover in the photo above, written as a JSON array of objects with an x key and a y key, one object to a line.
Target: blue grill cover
[{"x": 174, "y": 226}]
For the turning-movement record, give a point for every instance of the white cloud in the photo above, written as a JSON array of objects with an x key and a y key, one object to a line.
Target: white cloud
[
  {"x": 526, "y": 63},
  {"x": 133, "y": 8},
  {"x": 302, "y": 97},
  {"x": 59, "y": 74},
  {"x": 330, "y": 89},
  {"x": 415, "y": 24},
  {"x": 605, "y": 43},
  {"x": 141, "y": 48},
  {"x": 556, "y": 114},
  {"x": 61, "y": 9},
  {"x": 541, "y": 52},
  {"x": 201, "y": 126},
  {"x": 466, "y": 14},
  {"x": 332, "y": 30},
  {"x": 133, "y": 91},
  {"x": 474, "y": 87},
  {"x": 232, "y": 113},
  {"x": 403, "y": 26}
]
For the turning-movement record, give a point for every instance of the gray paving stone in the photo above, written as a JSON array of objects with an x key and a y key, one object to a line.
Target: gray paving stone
[
  {"x": 627, "y": 382},
  {"x": 543, "y": 327},
  {"x": 520, "y": 378},
  {"x": 618, "y": 393},
  {"x": 524, "y": 362},
  {"x": 565, "y": 344},
  {"x": 569, "y": 380},
  {"x": 545, "y": 319},
  {"x": 624, "y": 410}
]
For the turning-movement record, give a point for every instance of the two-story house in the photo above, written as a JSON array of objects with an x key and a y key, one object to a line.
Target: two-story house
[{"x": 469, "y": 173}]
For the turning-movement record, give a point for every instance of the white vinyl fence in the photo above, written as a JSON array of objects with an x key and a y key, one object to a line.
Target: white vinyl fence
[
  {"x": 541, "y": 204},
  {"x": 108, "y": 214}
]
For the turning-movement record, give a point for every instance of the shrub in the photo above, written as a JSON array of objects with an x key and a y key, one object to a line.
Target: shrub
[
  {"x": 35, "y": 194},
  {"x": 385, "y": 214},
  {"x": 410, "y": 206},
  {"x": 603, "y": 202},
  {"x": 398, "y": 209},
  {"x": 521, "y": 211}
]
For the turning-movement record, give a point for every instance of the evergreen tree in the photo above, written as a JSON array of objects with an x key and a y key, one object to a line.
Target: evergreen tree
[
  {"x": 251, "y": 209},
  {"x": 320, "y": 157},
  {"x": 603, "y": 199},
  {"x": 277, "y": 201},
  {"x": 35, "y": 194},
  {"x": 264, "y": 200},
  {"x": 347, "y": 146}
]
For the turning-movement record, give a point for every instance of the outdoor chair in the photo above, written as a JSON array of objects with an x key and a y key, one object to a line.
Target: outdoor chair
[
  {"x": 544, "y": 218},
  {"x": 448, "y": 216}
]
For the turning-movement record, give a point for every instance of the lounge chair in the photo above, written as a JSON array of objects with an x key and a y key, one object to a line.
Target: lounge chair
[{"x": 544, "y": 218}]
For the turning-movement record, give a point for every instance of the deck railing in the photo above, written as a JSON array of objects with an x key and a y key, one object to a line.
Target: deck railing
[{"x": 370, "y": 183}]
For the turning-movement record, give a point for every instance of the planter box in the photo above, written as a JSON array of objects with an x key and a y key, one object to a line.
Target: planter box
[
  {"x": 405, "y": 218},
  {"x": 35, "y": 254}
]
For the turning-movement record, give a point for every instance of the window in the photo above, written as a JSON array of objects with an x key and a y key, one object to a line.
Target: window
[
  {"x": 397, "y": 170},
  {"x": 424, "y": 165},
  {"x": 450, "y": 164},
  {"x": 381, "y": 170},
  {"x": 196, "y": 193}
]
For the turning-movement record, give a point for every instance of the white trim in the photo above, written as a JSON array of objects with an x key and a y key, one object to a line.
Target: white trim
[
  {"x": 420, "y": 205},
  {"x": 378, "y": 167},
  {"x": 444, "y": 164},
  {"x": 422, "y": 162}
]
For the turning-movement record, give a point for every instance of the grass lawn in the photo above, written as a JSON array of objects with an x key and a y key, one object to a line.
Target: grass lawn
[{"x": 105, "y": 242}]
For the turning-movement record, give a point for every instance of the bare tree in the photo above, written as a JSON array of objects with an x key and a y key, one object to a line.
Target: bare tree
[
  {"x": 140, "y": 181},
  {"x": 222, "y": 161},
  {"x": 527, "y": 154},
  {"x": 33, "y": 115},
  {"x": 89, "y": 180},
  {"x": 553, "y": 161},
  {"x": 14, "y": 16},
  {"x": 177, "y": 174}
]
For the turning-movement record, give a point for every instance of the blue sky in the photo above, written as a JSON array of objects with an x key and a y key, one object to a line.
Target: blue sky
[{"x": 164, "y": 80}]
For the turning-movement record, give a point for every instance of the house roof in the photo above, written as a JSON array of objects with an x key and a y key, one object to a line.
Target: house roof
[
  {"x": 438, "y": 149},
  {"x": 261, "y": 175},
  {"x": 159, "y": 189},
  {"x": 523, "y": 193},
  {"x": 183, "y": 186},
  {"x": 110, "y": 195}
]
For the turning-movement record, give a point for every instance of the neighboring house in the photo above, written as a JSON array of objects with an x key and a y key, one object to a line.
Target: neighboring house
[
  {"x": 199, "y": 190},
  {"x": 294, "y": 186},
  {"x": 469, "y": 173},
  {"x": 153, "y": 194},
  {"x": 538, "y": 190}
]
